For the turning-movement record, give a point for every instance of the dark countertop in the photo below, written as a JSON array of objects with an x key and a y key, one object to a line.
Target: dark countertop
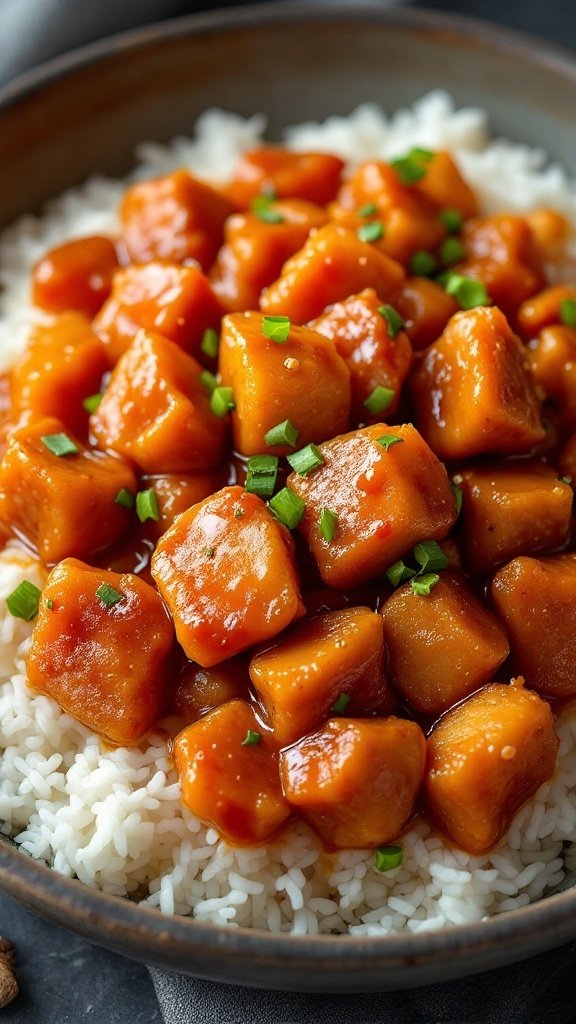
[{"x": 63, "y": 979}]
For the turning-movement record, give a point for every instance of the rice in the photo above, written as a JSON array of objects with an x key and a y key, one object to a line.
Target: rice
[{"x": 113, "y": 818}]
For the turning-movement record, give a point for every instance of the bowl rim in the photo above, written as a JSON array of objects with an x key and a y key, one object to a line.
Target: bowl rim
[{"x": 109, "y": 919}]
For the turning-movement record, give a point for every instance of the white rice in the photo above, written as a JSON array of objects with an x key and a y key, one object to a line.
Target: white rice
[{"x": 113, "y": 818}]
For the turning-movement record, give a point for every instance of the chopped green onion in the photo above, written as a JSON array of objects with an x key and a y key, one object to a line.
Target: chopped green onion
[
  {"x": 277, "y": 328},
  {"x": 261, "y": 207},
  {"x": 412, "y": 167},
  {"x": 261, "y": 477},
  {"x": 209, "y": 552},
  {"x": 209, "y": 381},
  {"x": 251, "y": 739},
  {"x": 209, "y": 343},
  {"x": 282, "y": 433},
  {"x": 108, "y": 595},
  {"x": 392, "y": 318},
  {"x": 451, "y": 219},
  {"x": 340, "y": 704},
  {"x": 422, "y": 585},
  {"x": 59, "y": 444},
  {"x": 379, "y": 399},
  {"x": 23, "y": 602},
  {"x": 565, "y": 480},
  {"x": 451, "y": 251},
  {"x": 430, "y": 556},
  {"x": 371, "y": 232},
  {"x": 387, "y": 440},
  {"x": 367, "y": 210},
  {"x": 568, "y": 312},
  {"x": 238, "y": 512},
  {"x": 306, "y": 459},
  {"x": 458, "y": 494},
  {"x": 92, "y": 402},
  {"x": 388, "y": 858},
  {"x": 328, "y": 521},
  {"x": 125, "y": 498},
  {"x": 423, "y": 263},
  {"x": 467, "y": 291},
  {"x": 49, "y": 603},
  {"x": 288, "y": 507},
  {"x": 147, "y": 505},
  {"x": 222, "y": 401},
  {"x": 399, "y": 573}
]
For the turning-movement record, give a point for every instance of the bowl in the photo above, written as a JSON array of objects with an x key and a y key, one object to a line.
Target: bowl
[{"x": 85, "y": 112}]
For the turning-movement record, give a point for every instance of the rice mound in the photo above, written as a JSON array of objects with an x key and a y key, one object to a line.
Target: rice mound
[{"x": 113, "y": 818}]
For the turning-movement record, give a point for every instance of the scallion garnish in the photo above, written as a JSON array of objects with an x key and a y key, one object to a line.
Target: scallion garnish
[
  {"x": 209, "y": 381},
  {"x": 261, "y": 477},
  {"x": 565, "y": 480},
  {"x": 147, "y": 505},
  {"x": 24, "y": 601},
  {"x": 423, "y": 263},
  {"x": 108, "y": 595},
  {"x": 451, "y": 219},
  {"x": 466, "y": 290},
  {"x": 209, "y": 343},
  {"x": 222, "y": 401},
  {"x": 125, "y": 498},
  {"x": 451, "y": 251},
  {"x": 261, "y": 207},
  {"x": 59, "y": 444},
  {"x": 282, "y": 433},
  {"x": 568, "y": 312},
  {"x": 276, "y": 328},
  {"x": 458, "y": 494},
  {"x": 49, "y": 603},
  {"x": 251, "y": 739},
  {"x": 388, "y": 857},
  {"x": 287, "y": 507},
  {"x": 412, "y": 167},
  {"x": 327, "y": 522},
  {"x": 399, "y": 573},
  {"x": 430, "y": 556},
  {"x": 92, "y": 402},
  {"x": 371, "y": 232},
  {"x": 387, "y": 440},
  {"x": 306, "y": 459},
  {"x": 367, "y": 210},
  {"x": 422, "y": 585},
  {"x": 392, "y": 318},
  {"x": 340, "y": 704},
  {"x": 379, "y": 399}
]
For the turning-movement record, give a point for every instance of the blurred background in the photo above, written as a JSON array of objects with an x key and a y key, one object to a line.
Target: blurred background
[{"x": 34, "y": 30}]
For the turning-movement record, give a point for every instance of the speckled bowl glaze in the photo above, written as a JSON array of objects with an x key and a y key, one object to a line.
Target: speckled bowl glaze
[{"x": 84, "y": 113}]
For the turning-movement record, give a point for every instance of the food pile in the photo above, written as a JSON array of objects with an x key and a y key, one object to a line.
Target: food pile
[{"x": 297, "y": 455}]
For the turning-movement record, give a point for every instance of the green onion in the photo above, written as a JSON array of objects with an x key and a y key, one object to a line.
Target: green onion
[
  {"x": 277, "y": 328},
  {"x": 306, "y": 459},
  {"x": 261, "y": 207},
  {"x": 92, "y": 402},
  {"x": 59, "y": 444},
  {"x": 451, "y": 219},
  {"x": 238, "y": 512},
  {"x": 379, "y": 399},
  {"x": 392, "y": 318},
  {"x": 458, "y": 494},
  {"x": 222, "y": 401},
  {"x": 367, "y": 210},
  {"x": 208, "y": 380},
  {"x": 430, "y": 556},
  {"x": 423, "y": 263},
  {"x": 388, "y": 858},
  {"x": 282, "y": 433},
  {"x": 467, "y": 292},
  {"x": 371, "y": 232},
  {"x": 23, "y": 602},
  {"x": 288, "y": 507},
  {"x": 251, "y": 739},
  {"x": 209, "y": 552},
  {"x": 147, "y": 505},
  {"x": 412, "y": 167},
  {"x": 422, "y": 585},
  {"x": 108, "y": 595},
  {"x": 565, "y": 480},
  {"x": 340, "y": 704},
  {"x": 49, "y": 603},
  {"x": 387, "y": 440},
  {"x": 568, "y": 312},
  {"x": 399, "y": 573},
  {"x": 451, "y": 251},
  {"x": 125, "y": 498},
  {"x": 209, "y": 344},
  {"x": 261, "y": 478},
  {"x": 328, "y": 521}
]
